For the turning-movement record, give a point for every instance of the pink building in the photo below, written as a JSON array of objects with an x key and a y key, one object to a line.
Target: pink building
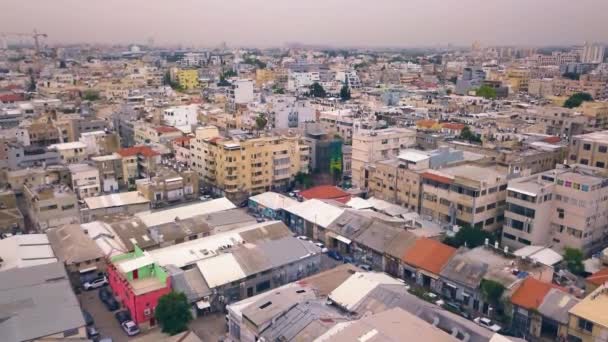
[{"x": 138, "y": 283}]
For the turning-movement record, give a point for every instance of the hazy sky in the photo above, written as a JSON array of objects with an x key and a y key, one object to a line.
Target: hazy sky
[{"x": 336, "y": 22}]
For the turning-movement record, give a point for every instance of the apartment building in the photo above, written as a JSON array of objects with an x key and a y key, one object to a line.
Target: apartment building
[
  {"x": 110, "y": 171},
  {"x": 187, "y": 78},
  {"x": 372, "y": 146},
  {"x": 248, "y": 165},
  {"x": 100, "y": 142},
  {"x": 85, "y": 180},
  {"x": 590, "y": 149},
  {"x": 138, "y": 162},
  {"x": 181, "y": 115},
  {"x": 241, "y": 91},
  {"x": 399, "y": 180},
  {"x": 146, "y": 133},
  {"x": 465, "y": 195},
  {"x": 169, "y": 186},
  {"x": 564, "y": 207},
  {"x": 71, "y": 152},
  {"x": 51, "y": 205}
]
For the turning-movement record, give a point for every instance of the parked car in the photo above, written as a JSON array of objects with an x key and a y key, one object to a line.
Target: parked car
[
  {"x": 92, "y": 332},
  {"x": 487, "y": 323},
  {"x": 348, "y": 260},
  {"x": 88, "y": 319},
  {"x": 104, "y": 293},
  {"x": 122, "y": 316},
  {"x": 304, "y": 238},
  {"x": 365, "y": 267},
  {"x": 130, "y": 328},
  {"x": 111, "y": 304},
  {"x": 95, "y": 283},
  {"x": 322, "y": 246},
  {"x": 335, "y": 255}
]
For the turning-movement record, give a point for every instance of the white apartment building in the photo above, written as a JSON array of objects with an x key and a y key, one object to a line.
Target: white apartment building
[
  {"x": 593, "y": 53},
  {"x": 374, "y": 145},
  {"x": 289, "y": 112},
  {"x": 242, "y": 91},
  {"x": 85, "y": 180},
  {"x": 564, "y": 207},
  {"x": 178, "y": 116},
  {"x": 297, "y": 80}
]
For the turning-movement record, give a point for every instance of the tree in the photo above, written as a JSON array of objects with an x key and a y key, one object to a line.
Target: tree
[
  {"x": 345, "y": 92},
  {"x": 173, "y": 313},
  {"x": 486, "y": 92},
  {"x": 90, "y": 95},
  {"x": 261, "y": 121},
  {"x": 316, "y": 90},
  {"x": 574, "y": 260},
  {"x": 468, "y": 135},
  {"x": 303, "y": 179},
  {"x": 470, "y": 236},
  {"x": 492, "y": 291},
  {"x": 577, "y": 99},
  {"x": 572, "y": 75}
]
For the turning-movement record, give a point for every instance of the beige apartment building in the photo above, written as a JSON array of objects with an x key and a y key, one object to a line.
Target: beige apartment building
[
  {"x": 376, "y": 145},
  {"x": 71, "y": 152},
  {"x": 138, "y": 162},
  {"x": 399, "y": 180},
  {"x": 468, "y": 194},
  {"x": 589, "y": 149},
  {"x": 110, "y": 172},
  {"x": 564, "y": 207},
  {"x": 146, "y": 133},
  {"x": 169, "y": 186},
  {"x": 51, "y": 205},
  {"x": 240, "y": 167}
]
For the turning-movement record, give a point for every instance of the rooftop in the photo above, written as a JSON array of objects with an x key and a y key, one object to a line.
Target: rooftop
[
  {"x": 137, "y": 150},
  {"x": 36, "y": 302},
  {"x": 594, "y": 307},
  {"x": 158, "y": 217},
  {"x": 531, "y": 293},
  {"x": 316, "y": 211},
  {"x": 27, "y": 250},
  {"x": 429, "y": 255},
  {"x": 68, "y": 146},
  {"x": 72, "y": 245},
  {"x": 273, "y": 200},
  {"x": 326, "y": 192},
  {"x": 115, "y": 200}
]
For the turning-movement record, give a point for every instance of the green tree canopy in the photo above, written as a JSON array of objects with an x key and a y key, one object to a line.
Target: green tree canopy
[
  {"x": 345, "y": 92},
  {"x": 470, "y": 236},
  {"x": 90, "y": 95},
  {"x": 261, "y": 121},
  {"x": 468, "y": 135},
  {"x": 316, "y": 90},
  {"x": 492, "y": 291},
  {"x": 577, "y": 99},
  {"x": 173, "y": 313},
  {"x": 486, "y": 92},
  {"x": 574, "y": 260}
]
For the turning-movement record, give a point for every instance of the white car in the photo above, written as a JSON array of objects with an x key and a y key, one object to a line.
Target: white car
[
  {"x": 95, "y": 283},
  {"x": 304, "y": 238},
  {"x": 487, "y": 323},
  {"x": 322, "y": 246},
  {"x": 130, "y": 328}
]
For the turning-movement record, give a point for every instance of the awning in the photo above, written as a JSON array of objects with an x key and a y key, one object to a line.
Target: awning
[
  {"x": 343, "y": 239},
  {"x": 85, "y": 270},
  {"x": 428, "y": 274},
  {"x": 202, "y": 304}
]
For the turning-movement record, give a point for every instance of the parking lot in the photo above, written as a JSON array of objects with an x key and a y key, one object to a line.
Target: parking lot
[{"x": 105, "y": 321}]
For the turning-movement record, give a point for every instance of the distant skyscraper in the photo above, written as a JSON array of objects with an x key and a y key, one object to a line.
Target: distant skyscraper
[{"x": 593, "y": 53}]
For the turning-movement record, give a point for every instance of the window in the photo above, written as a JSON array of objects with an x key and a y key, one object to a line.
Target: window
[
  {"x": 444, "y": 202},
  {"x": 600, "y": 164},
  {"x": 489, "y": 221},
  {"x": 491, "y": 206},
  {"x": 584, "y": 324},
  {"x": 479, "y": 210},
  {"x": 587, "y": 147},
  {"x": 584, "y": 161},
  {"x": 560, "y": 213},
  {"x": 509, "y": 236},
  {"x": 602, "y": 149},
  {"x": 519, "y": 210}
]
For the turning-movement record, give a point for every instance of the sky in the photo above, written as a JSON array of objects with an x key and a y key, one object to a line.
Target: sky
[{"x": 398, "y": 23}]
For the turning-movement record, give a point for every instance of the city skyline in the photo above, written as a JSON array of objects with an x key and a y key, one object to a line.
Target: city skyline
[{"x": 273, "y": 23}]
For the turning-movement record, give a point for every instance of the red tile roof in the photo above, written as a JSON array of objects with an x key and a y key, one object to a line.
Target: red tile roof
[
  {"x": 437, "y": 178},
  {"x": 183, "y": 141},
  {"x": 426, "y": 123},
  {"x": 11, "y": 97},
  {"x": 136, "y": 150},
  {"x": 326, "y": 192},
  {"x": 429, "y": 255},
  {"x": 166, "y": 129},
  {"x": 531, "y": 293},
  {"x": 453, "y": 126},
  {"x": 598, "y": 278},
  {"x": 552, "y": 140}
]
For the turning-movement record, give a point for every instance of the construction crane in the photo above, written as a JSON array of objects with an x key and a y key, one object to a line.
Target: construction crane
[{"x": 34, "y": 35}]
